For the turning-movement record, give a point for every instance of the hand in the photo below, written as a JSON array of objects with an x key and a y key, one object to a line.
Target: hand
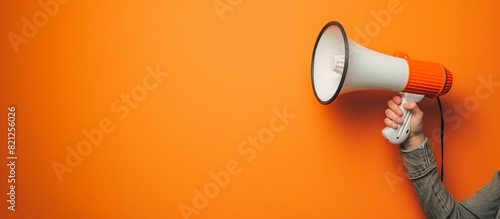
[{"x": 393, "y": 117}]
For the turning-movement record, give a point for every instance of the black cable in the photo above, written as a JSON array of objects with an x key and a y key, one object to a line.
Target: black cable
[{"x": 442, "y": 138}]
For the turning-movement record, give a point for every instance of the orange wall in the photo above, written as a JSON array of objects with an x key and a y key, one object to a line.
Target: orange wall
[{"x": 173, "y": 93}]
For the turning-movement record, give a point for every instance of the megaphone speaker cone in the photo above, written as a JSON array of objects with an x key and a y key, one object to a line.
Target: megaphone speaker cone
[{"x": 329, "y": 62}]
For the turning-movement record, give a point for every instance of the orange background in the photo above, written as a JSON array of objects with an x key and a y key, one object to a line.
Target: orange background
[{"x": 225, "y": 79}]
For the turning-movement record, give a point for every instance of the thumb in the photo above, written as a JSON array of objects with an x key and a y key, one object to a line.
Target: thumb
[{"x": 414, "y": 109}]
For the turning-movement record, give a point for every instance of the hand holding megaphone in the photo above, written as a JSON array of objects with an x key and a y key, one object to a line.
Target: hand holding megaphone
[
  {"x": 400, "y": 134},
  {"x": 394, "y": 120}
]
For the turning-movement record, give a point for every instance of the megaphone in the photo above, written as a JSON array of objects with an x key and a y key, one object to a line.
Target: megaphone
[{"x": 340, "y": 65}]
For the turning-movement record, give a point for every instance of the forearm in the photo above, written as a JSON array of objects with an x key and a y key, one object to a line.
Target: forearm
[{"x": 435, "y": 200}]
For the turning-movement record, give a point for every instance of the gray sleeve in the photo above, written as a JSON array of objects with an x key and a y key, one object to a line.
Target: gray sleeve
[
  {"x": 435, "y": 200},
  {"x": 486, "y": 202}
]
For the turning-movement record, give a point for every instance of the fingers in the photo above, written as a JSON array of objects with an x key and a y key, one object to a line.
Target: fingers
[
  {"x": 393, "y": 113},
  {"x": 390, "y": 123},
  {"x": 394, "y": 106},
  {"x": 396, "y": 99}
]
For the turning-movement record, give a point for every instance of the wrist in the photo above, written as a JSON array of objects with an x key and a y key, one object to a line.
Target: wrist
[{"x": 414, "y": 141}]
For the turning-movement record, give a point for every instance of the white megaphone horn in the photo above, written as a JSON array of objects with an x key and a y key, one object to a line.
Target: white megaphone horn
[{"x": 340, "y": 65}]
